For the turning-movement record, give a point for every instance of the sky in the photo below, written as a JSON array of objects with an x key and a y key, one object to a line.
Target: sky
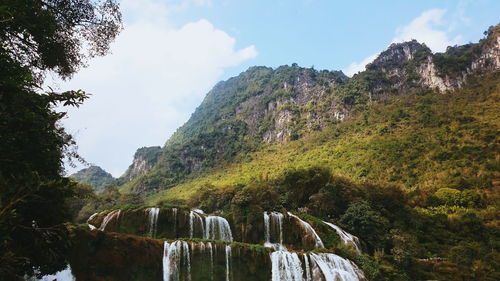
[{"x": 172, "y": 52}]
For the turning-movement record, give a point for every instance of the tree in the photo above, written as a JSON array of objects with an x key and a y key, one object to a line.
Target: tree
[
  {"x": 57, "y": 35},
  {"x": 39, "y": 36},
  {"x": 365, "y": 222}
]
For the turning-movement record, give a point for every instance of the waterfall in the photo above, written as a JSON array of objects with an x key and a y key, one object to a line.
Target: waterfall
[
  {"x": 310, "y": 230},
  {"x": 63, "y": 275},
  {"x": 187, "y": 260},
  {"x": 273, "y": 221},
  {"x": 174, "y": 215},
  {"x": 175, "y": 255},
  {"x": 91, "y": 226},
  {"x": 153, "y": 221},
  {"x": 347, "y": 238},
  {"x": 228, "y": 263},
  {"x": 335, "y": 268},
  {"x": 110, "y": 216},
  {"x": 211, "y": 252},
  {"x": 308, "y": 268},
  {"x": 217, "y": 228},
  {"x": 286, "y": 266},
  {"x": 195, "y": 219},
  {"x": 267, "y": 230}
]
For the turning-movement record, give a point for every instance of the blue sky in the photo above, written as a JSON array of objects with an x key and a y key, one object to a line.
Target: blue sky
[{"x": 172, "y": 52}]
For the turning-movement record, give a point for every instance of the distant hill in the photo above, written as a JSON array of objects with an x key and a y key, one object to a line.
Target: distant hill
[{"x": 94, "y": 176}]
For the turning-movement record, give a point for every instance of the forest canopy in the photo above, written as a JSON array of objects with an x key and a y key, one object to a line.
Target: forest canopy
[{"x": 36, "y": 37}]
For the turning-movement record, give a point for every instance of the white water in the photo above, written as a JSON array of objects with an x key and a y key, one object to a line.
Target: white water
[
  {"x": 286, "y": 266},
  {"x": 203, "y": 248},
  {"x": 63, "y": 275},
  {"x": 174, "y": 214},
  {"x": 91, "y": 226},
  {"x": 308, "y": 268},
  {"x": 346, "y": 237},
  {"x": 273, "y": 221},
  {"x": 310, "y": 230},
  {"x": 228, "y": 263},
  {"x": 195, "y": 219},
  {"x": 110, "y": 216},
  {"x": 174, "y": 255},
  {"x": 217, "y": 228},
  {"x": 153, "y": 221},
  {"x": 335, "y": 268},
  {"x": 187, "y": 259}
]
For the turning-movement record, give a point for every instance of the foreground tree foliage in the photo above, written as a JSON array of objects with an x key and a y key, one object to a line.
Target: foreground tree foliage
[{"x": 35, "y": 197}]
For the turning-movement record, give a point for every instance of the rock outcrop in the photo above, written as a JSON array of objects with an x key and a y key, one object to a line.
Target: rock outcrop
[{"x": 265, "y": 105}]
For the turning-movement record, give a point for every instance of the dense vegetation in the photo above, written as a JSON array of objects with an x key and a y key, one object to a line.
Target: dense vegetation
[
  {"x": 94, "y": 176},
  {"x": 415, "y": 177},
  {"x": 39, "y": 36},
  {"x": 414, "y": 174},
  {"x": 264, "y": 105}
]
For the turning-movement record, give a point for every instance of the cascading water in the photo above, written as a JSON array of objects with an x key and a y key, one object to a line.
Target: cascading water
[
  {"x": 347, "y": 238},
  {"x": 63, "y": 275},
  {"x": 153, "y": 221},
  {"x": 175, "y": 255},
  {"x": 273, "y": 222},
  {"x": 109, "y": 217},
  {"x": 174, "y": 215},
  {"x": 286, "y": 266},
  {"x": 195, "y": 218},
  {"x": 335, "y": 268},
  {"x": 228, "y": 263},
  {"x": 91, "y": 226},
  {"x": 310, "y": 230},
  {"x": 211, "y": 227},
  {"x": 187, "y": 259},
  {"x": 217, "y": 228},
  {"x": 308, "y": 268}
]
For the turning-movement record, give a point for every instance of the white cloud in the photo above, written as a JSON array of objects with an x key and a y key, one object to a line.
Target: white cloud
[
  {"x": 427, "y": 28},
  {"x": 155, "y": 77},
  {"x": 356, "y": 67},
  {"x": 430, "y": 28}
]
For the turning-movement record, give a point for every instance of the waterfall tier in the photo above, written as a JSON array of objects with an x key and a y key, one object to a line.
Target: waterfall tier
[
  {"x": 217, "y": 228},
  {"x": 63, "y": 275},
  {"x": 113, "y": 215},
  {"x": 287, "y": 266},
  {"x": 346, "y": 237},
  {"x": 309, "y": 231},
  {"x": 153, "y": 221}
]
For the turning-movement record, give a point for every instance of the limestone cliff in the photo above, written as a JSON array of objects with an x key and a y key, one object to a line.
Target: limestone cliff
[{"x": 265, "y": 105}]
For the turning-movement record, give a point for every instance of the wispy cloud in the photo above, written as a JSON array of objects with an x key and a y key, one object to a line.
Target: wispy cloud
[
  {"x": 155, "y": 77},
  {"x": 356, "y": 67},
  {"x": 430, "y": 27}
]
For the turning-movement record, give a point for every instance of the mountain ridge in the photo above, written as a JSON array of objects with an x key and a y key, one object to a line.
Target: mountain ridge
[{"x": 264, "y": 105}]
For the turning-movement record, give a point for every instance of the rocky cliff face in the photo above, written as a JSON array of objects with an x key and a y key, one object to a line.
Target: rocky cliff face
[
  {"x": 411, "y": 66},
  {"x": 265, "y": 105},
  {"x": 144, "y": 159}
]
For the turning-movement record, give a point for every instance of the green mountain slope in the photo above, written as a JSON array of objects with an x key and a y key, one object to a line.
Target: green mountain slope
[
  {"x": 94, "y": 176},
  {"x": 423, "y": 141},
  {"x": 404, "y": 155},
  {"x": 265, "y": 106}
]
